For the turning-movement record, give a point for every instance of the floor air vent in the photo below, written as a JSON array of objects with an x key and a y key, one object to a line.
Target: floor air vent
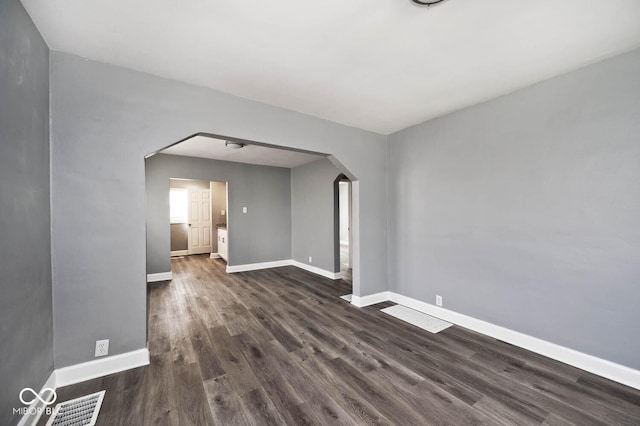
[
  {"x": 419, "y": 319},
  {"x": 81, "y": 411},
  {"x": 347, "y": 297}
]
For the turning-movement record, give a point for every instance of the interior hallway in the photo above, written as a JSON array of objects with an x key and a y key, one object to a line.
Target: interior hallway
[{"x": 279, "y": 346}]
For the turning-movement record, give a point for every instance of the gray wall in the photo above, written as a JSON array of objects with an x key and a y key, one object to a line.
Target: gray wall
[
  {"x": 179, "y": 237},
  {"x": 105, "y": 119},
  {"x": 525, "y": 211},
  {"x": 312, "y": 214},
  {"x": 263, "y": 234},
  {"x": 188, "y": 183},
  {"x": 26, "y": 332}
]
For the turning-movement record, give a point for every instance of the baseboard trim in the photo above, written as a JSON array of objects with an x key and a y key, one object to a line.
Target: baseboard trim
[
  {"x": 162, "y": 276},
  {"x": 180, "y": 253},
  {"x": 372, "y": 299},
  {"x": 38, "y": 407},
  {"x": 257, "y": 266},
  {"x": 214, "y": 256},
  {"x": 101, "y": 367},
  {"x": 316, "y": 270},
  {"x": 280, "y": 263},
  {"x": 601, "y": 367}
]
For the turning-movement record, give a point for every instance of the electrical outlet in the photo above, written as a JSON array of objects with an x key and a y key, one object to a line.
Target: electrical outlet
[
  {"x": 102, "y": 347},
  {"x": 244, "y": 210},
  {"x": 438, "y": 300},
  {"x": 222, "y": 212},
  {"x": 310, "y": 259}
]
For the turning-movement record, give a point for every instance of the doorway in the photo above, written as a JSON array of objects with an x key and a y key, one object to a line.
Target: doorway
[
  {"x": 343, "y": 236},
  {"x": 197, "y": 209}
]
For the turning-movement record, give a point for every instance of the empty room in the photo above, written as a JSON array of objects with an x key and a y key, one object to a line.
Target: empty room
[{"x": 401, "y": 212}]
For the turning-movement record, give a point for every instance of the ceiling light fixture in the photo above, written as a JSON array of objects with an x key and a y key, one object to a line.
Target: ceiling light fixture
[
  {"x": 426, "y": 3},
  {"x": 233, "y": 145}
]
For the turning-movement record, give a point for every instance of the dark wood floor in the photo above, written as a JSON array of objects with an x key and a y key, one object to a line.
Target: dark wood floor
[{"x": 279, "y": 347}]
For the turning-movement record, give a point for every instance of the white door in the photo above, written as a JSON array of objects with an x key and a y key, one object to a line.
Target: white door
[{"x": 199, "y": 221}]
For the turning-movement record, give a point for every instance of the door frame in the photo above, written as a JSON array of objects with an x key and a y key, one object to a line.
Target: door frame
[{"x": 336, "y": 221}]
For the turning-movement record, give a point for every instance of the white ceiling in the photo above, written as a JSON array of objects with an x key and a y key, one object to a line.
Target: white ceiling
[
  {"x": 380, "y": 65},
  {"x": 206, "y": 147}
]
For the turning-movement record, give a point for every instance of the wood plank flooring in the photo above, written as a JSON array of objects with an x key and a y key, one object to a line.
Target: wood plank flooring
[{"x": 280, "y": 347}]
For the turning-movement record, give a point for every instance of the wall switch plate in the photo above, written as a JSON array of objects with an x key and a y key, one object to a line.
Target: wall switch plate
[
  {"x": 310, "y": 259},
  {"x": 222, "y": 213},
  {"x": 438, "y": 300},
  {"x": 102, "y": 347},
  {"x": 244, "y": 210}
]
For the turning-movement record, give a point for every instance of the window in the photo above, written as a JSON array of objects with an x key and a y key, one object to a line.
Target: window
[{"x": 178, "y": 205}]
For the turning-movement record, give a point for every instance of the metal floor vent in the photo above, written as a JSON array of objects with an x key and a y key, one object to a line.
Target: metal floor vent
[{"x": 81, "y": 411}]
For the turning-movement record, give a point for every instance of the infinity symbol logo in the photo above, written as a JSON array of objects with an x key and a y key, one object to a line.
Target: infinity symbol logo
[{"x": 50, "y": 400}]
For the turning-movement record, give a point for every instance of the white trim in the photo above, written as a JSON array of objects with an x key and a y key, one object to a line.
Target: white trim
[
  {"x": 316, "y": 270},
  {"x": 256, "y": 266},
  {"x": 601, "y": 367},
  {"x": 162, "y": 276},
  {"x": 344, "y": 243},
  {"x": 215, "y": 256},
  {"x": 180, "y": 253},
  {"x": 101, "y": 367},
  {"x": 372, "y": 299},
  {"x": 37, "y": 406},
  {"x": 280, "y": 263}
]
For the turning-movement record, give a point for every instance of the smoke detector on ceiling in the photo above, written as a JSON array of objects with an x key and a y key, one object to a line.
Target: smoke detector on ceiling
[
  {"x": 427, "y": 2},
  {"x": 233, "y": 145}
]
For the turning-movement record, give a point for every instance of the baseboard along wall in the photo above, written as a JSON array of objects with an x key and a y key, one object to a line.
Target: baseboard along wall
[
  {"x": 601, "y": 367},
  {"x": 316, "y": 270},
  {"x": 280, "y": 263},
  {"x": 162, "y": 276}
]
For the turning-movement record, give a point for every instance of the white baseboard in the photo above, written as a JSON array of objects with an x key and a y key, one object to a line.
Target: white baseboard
[
  {"x": 316, "y": 270},
  {"x": 37, "y": 407},
  {"x": 280, "y": 263},
  {"x": 601, "y": 367},
  {"x": 180, "y": 253},
  {"x": 162, "y": 276},
  {"x": 214, "y": 256},
  {"x": 256, "y": 266},
  {"x": 101, "y": 367},
  {"x": 372, "y": 299}
]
